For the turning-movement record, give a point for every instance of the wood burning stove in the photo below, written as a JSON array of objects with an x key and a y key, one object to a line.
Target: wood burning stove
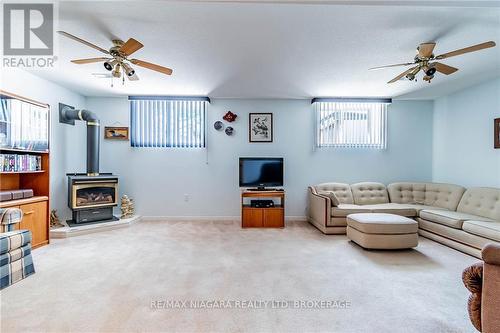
[
  {"x": 92, "y": 198},
  {"x": 91, "y": 195}
]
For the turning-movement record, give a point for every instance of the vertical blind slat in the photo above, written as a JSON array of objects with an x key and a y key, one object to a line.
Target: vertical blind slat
[{"x": 168, "y": 123}]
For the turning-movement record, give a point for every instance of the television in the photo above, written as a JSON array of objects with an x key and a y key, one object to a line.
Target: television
[{"x": 261, "y": 172}]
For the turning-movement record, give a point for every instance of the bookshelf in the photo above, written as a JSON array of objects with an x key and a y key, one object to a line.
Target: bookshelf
[{"x": 35, "y": 209}]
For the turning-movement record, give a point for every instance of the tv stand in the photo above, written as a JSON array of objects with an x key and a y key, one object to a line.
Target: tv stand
[{"x": 265, "y": 217}]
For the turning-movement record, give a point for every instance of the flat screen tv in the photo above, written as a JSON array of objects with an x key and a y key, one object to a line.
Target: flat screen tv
[{"x": 261, "y": 172}]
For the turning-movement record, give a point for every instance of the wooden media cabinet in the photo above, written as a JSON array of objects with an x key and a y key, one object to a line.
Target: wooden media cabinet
[{"x": 265, "y": 217}]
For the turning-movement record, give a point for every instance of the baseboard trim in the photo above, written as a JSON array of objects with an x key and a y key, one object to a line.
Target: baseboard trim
[{"x": 210, "y": 218}]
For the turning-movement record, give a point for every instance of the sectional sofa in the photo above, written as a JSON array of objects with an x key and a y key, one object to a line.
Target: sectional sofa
[{"x": 464, "y": 219}]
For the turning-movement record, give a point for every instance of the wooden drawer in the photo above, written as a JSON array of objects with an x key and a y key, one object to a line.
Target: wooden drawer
[{"x": 35, "y": 220}]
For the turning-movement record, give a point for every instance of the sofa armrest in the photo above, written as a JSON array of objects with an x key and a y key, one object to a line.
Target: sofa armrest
[
  {"x": 491, "y": 254},
  {"x": 490, "y": 320},
  {"x": 319, "y": 207}
]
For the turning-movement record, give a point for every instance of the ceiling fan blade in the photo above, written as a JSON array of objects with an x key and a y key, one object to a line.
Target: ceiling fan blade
[
  {"x": 466, "y": 50},
  {"x": 133, "y": 77},
  {"x": 425, "y": 50},
  {"x": 130, "y": 47},
  {"x": 403, "y": 74},
  {"x": 445, "y": 69},
  {"x": 151, "y": 66},
  {"x": 388, "y": 66},
  {"x": 64, "y": 33},
  {"x": 88, "y": 61}
]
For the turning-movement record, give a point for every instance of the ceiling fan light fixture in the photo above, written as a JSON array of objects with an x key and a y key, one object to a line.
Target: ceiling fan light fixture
[
  {"x": 128, "y": 70},
  {"x": 410, "y": 76},
  {"x": 429, "y": 70},
  {"x": 116, "y": 72},
  {"x": 423, "y": 61},
  {"x": 119, "y": 52},
  {"x": 109, "y": 65}
]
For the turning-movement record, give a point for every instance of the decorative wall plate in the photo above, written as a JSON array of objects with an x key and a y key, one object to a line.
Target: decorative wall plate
[
  {"x": 218, "y": 125},
  {"x": 229, "y": 130}
]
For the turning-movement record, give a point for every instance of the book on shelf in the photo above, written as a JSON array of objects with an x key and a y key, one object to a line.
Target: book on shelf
[{"x": 20, "y": 163}]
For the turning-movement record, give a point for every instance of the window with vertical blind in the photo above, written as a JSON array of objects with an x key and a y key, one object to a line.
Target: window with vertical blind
[
  {"x": 351, "y": 123},
  {"x": 23, "y": 124},
  {"x": 168, "y": 122}
]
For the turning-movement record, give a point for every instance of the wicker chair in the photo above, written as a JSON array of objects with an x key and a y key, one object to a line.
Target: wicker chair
[{"x": 483, "y": 281}]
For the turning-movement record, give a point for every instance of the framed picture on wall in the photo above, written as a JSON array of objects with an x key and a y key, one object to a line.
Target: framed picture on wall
[
  {"x": 116, "y": 133},
  {"x": 260, "y": 127},
  {"x": 497, "y": 133}
]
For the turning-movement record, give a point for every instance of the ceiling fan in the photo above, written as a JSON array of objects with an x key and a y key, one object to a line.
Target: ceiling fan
[
  {"x": 425, "y": 61},
  {"x": 117, "y": 60}
]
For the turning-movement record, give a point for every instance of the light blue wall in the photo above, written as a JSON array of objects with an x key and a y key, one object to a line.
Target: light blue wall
[
  {"x": 159, "y": 178},
  {"x": 463, "y": 137}
]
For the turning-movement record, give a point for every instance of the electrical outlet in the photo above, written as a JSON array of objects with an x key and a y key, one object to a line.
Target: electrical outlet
[{"x": 186, "y": 197}]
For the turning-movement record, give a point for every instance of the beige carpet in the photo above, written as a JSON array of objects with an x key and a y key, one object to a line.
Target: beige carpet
[{"x": 106, "y": 282}]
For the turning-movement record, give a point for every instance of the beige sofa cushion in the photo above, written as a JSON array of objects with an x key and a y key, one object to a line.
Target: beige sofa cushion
[
  {"x": 481, "y": 201},
  {"x": 456, "y": 235},
  {"x": 420, "y": 208},
  {"x": 387, "y": 224},
  {"x": 369, "y": 193},
  {"x": 430, "y": 194},
  {"x": 490, "y": 230},
  {"x": 449, "y": 218},
  {"x": 342, "y": 191},
  {"x": 393, "y": 208},
  {"x": 345, "y": 209}
]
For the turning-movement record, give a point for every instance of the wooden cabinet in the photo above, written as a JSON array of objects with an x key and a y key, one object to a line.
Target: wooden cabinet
[
  {"x": 273, "y": 217},
  {"x": 34, "y": 219}
]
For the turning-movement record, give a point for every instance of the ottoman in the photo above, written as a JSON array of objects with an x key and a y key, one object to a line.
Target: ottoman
[{"x": 382, "y": 231}]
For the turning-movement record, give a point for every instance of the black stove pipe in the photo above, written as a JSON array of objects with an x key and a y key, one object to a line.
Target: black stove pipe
[{"x": 92, "y": 136}]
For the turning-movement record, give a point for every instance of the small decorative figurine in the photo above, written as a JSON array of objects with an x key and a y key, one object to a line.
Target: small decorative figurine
[
  {"x": 54, "y": 219},
  {"x": 230, "y": 117},
  {"x": 127, "y": 207}
]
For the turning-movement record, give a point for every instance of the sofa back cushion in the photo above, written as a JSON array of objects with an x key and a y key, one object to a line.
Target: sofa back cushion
[
  {"x": 430, "y": 194},
  {"x": 342, "y": 191},
  {"x": 482, "y": 201},
  {"x": 369, "y": 193}
]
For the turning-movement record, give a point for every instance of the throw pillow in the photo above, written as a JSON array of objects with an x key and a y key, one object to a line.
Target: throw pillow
[{"x": 333, "y": 197}]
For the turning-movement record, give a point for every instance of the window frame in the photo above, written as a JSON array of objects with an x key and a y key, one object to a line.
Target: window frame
[
  {"x": 348, "y": 109},
  {"x": 169, "y": 134}
]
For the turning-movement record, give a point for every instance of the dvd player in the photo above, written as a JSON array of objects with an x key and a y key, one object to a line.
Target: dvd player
[{"x": 261, "y": 203}]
